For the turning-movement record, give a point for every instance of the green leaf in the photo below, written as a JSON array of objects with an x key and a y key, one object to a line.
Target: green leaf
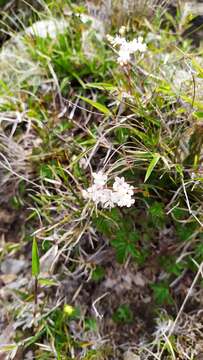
[
  {"x": 47, "y": 282},
  {"x": 79, "y": 80},
  {"x": 157, "y": 214},
  {"x": 122, "y": 134},
  {"x": 140, "y": 134},
  {"x": 123, "y": 314},
  {"x": 98, "y": 273},
  {"x": 35, "y": 259},
  {"x": 101, "y": 86},
  {"x": 45, "y": 171},
  {"x": 97, "y": 105},
  {"x": 152, "y": 165},
  {"x": 185, "y": 231},
  {"x": 91, "y": 324},
  {"x": 124, "y": 244},
  {"x": 161, "y": 293},
  {"x": 198, "y": 114},
  {"x": 10, "y": 347}
]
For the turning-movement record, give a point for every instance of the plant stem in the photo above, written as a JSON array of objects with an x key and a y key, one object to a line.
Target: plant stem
[{"x": 35, "y": 296}]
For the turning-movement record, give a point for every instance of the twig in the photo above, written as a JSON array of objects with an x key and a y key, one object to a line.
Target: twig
[{"x": 94, "y": 307}]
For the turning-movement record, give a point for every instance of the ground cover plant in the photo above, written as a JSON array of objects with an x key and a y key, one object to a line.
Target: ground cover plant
[{"x": 101, "y": 181}]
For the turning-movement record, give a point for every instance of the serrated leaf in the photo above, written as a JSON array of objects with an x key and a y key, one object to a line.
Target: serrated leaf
[
  {"x": 161, "y": 294},
  {"x": 102, "y": 108},
  {"x": 157, "y": 214},
  {"x": 35, "y": 259},
  {"x": 152, "y": 165}
]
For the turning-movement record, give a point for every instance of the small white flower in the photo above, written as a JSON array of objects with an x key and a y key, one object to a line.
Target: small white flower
[
  {"x": 125, "y": 200},
  {"x": 118, "y": 40},
  {"x": 123, "y": 57},
  {"x": 122, "y": 30},
  {"x": 127, "y": 48},
  {"x": 84, "y": 18},
  {"x": 141, "y": 46},
  {"x": 115, "y": 41},
  {"x": 137, "y": 45},
  {"x": 109, "y": 38},
  {"x": 96, "y": 193},
  {"x": 122, "y": 187},
  {"x": 121, "y": 195},
  {"x": 133, "y": 46},
  {"x": 85, "y": 194},
  {"x": 123, "y": 192},
  {"x": 99, "y": 178},
  {"x": 107, "y": 199},
  {"x": 119, "y": 183}
]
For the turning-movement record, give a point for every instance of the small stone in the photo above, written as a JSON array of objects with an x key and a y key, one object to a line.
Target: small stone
[
  {"x": 12, "y": 266},
  {"x": 139, "y": 280}
]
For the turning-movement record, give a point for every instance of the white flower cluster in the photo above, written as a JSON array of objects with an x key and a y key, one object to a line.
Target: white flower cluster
[
  {"x": 126, "y": 48},
  {"x": 120, "y": 195}
]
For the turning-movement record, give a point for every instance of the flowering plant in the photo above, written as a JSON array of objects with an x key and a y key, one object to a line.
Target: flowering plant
[
  {"x": 126, "y": 48},
  {"x": 120, "y": 195}
]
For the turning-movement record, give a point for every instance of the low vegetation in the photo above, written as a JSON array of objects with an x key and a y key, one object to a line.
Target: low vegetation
[{"x": 101, "y": 184}]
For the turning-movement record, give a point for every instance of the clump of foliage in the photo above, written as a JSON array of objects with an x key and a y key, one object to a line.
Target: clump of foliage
[{"x": 82, "y": 111}]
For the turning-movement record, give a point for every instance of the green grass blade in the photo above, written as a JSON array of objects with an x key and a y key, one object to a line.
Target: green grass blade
[
  {"x": 152, "y": 165},
  {"x": 102, "y": 108},
  {"x": 101, "y": 86},
  {"x": 35, "y": 259}
]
